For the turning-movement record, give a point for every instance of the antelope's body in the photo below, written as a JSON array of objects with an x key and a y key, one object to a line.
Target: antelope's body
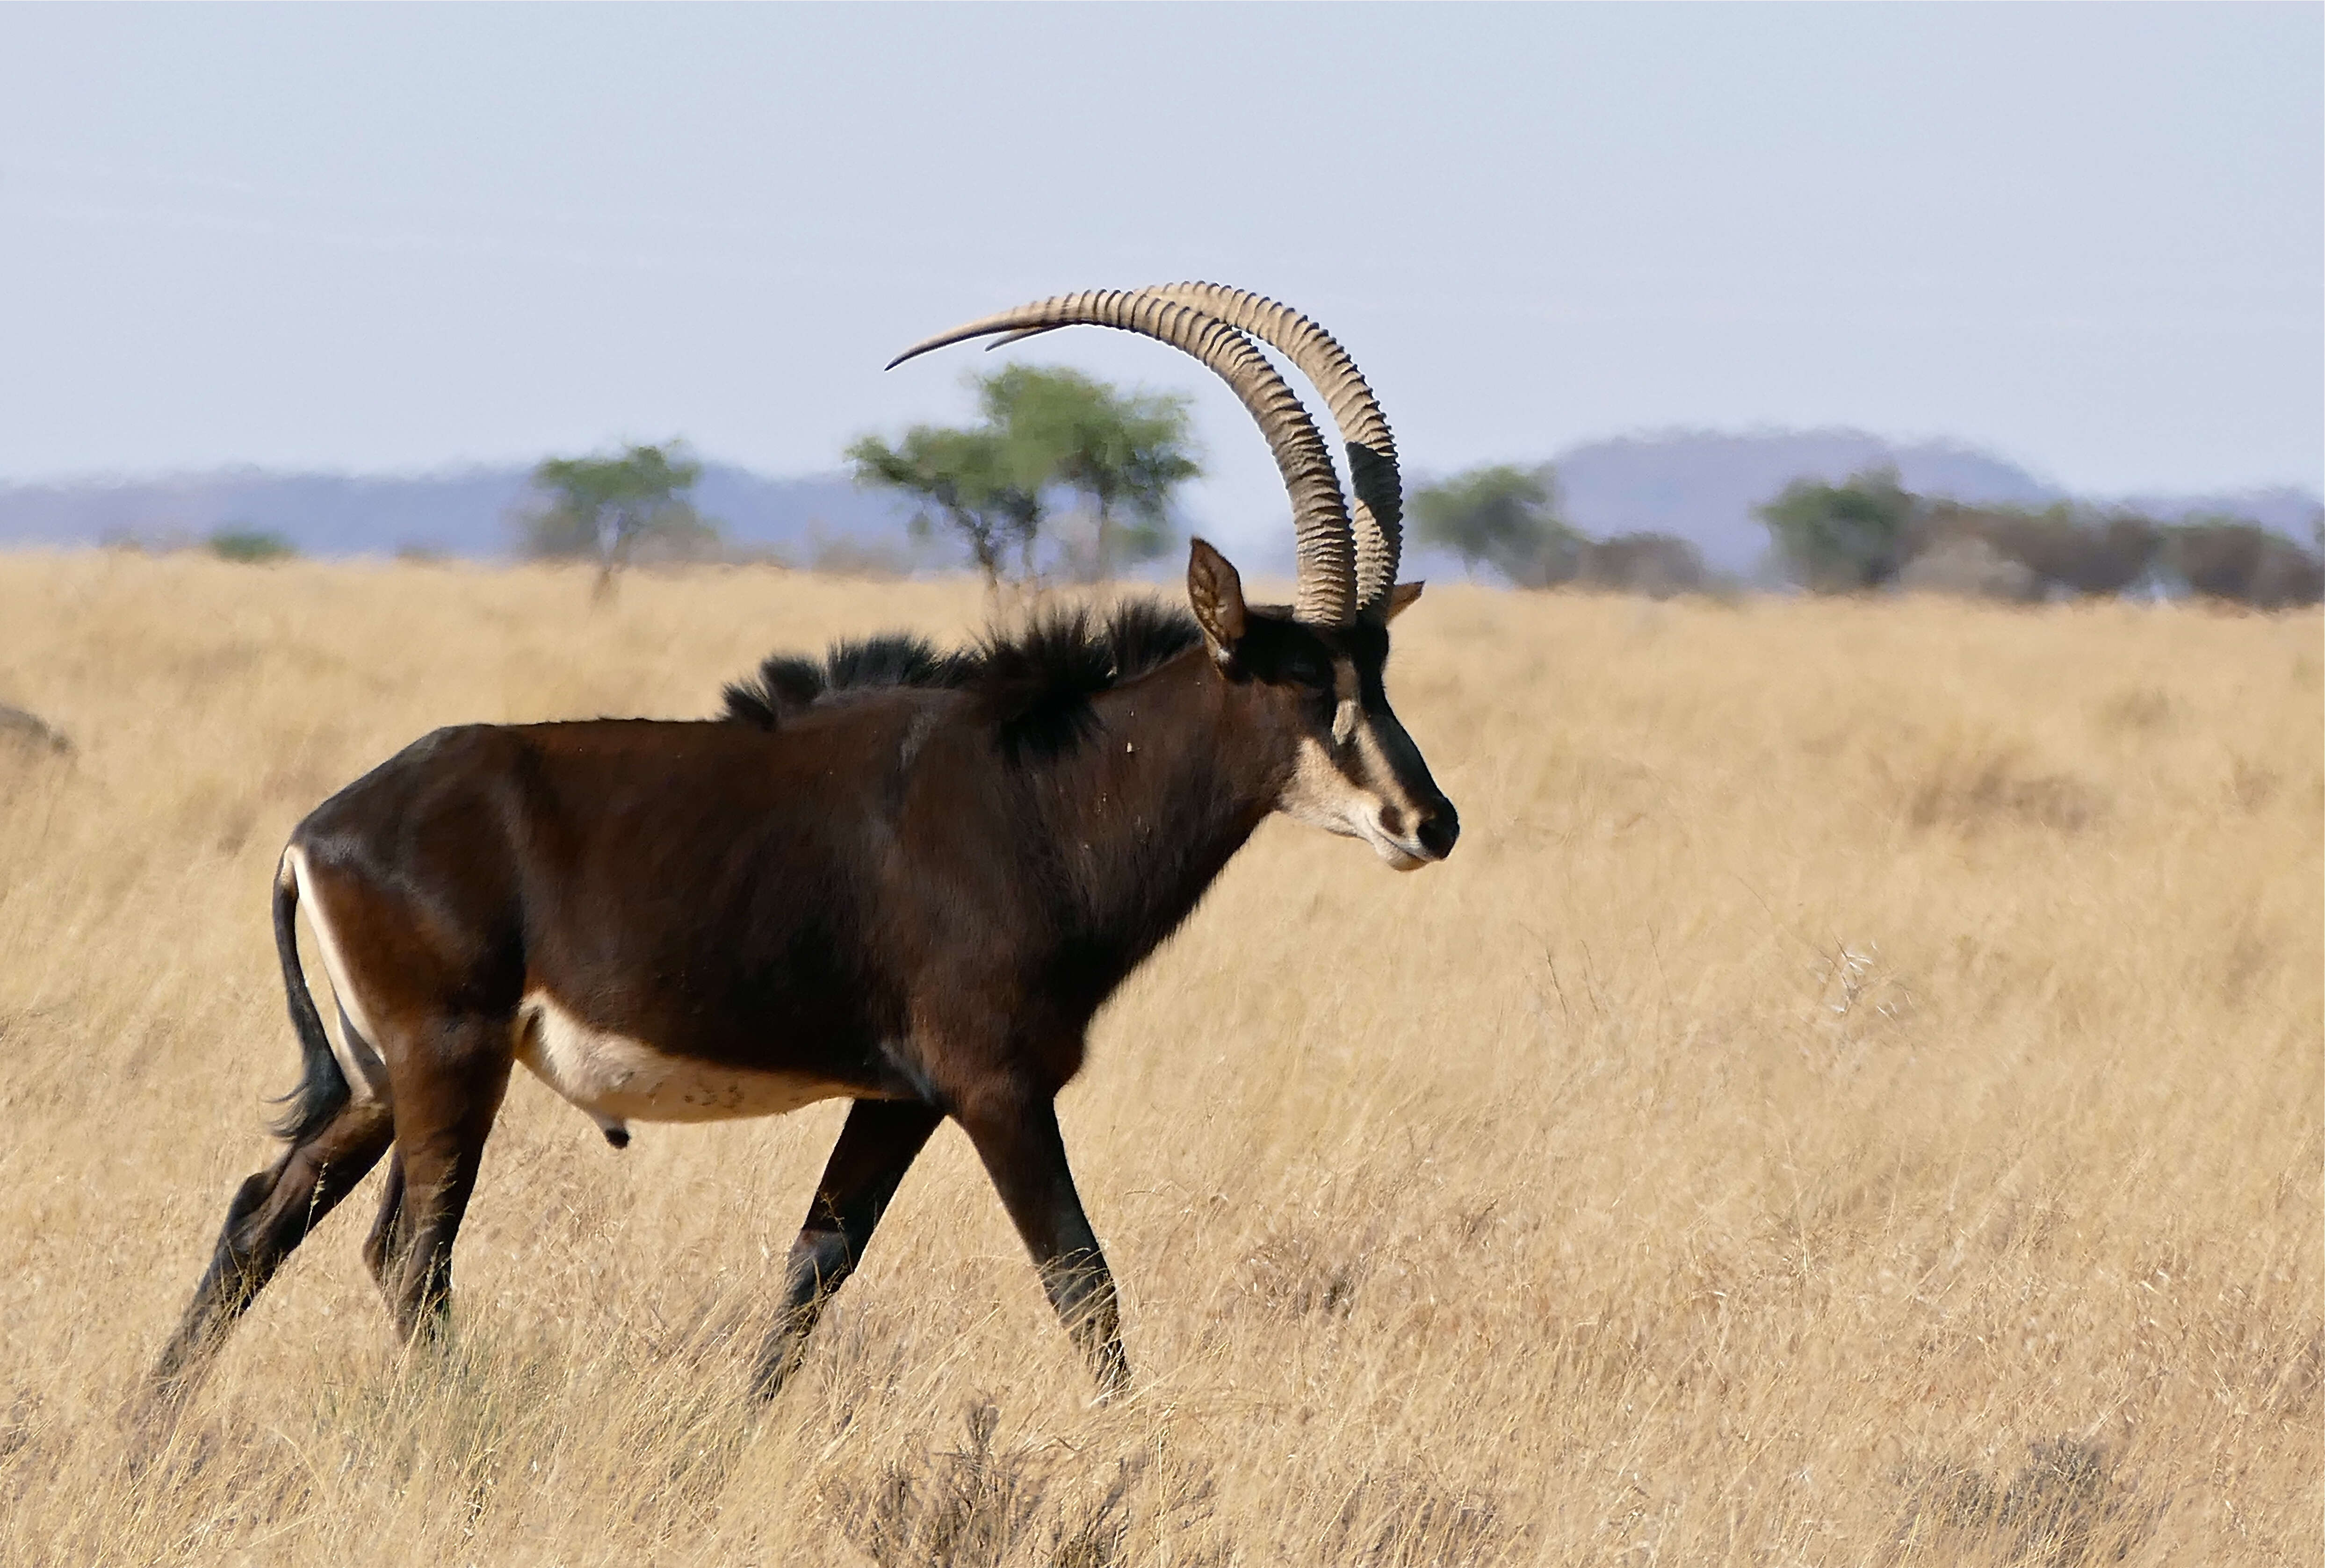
[
  {"x": 905, "y": 879},
  {"x": 686, "y": 921}
]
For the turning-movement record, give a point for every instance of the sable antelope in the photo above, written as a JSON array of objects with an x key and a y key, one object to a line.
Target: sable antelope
[{"x": 905, "y": 877}]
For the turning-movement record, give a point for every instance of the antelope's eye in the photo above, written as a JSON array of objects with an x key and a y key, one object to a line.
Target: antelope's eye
[{"x": 1304, "y": 669}]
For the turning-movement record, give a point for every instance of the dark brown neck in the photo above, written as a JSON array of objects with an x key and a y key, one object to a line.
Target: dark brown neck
[{"x": 1178, "y": 770}]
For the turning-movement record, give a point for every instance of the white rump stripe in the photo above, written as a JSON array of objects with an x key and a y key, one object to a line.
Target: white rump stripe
[
  {"x": 618, "y": 1080},
  {"x": 365, "y": 1073}
]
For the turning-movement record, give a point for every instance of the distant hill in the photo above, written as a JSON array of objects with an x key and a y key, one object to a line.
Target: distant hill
[
  {"x": 467, "y": 513},
  {"x": 1702, "y": 486}
]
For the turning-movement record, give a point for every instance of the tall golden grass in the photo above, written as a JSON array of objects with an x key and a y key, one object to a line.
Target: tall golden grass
[{"x": 1855, "y": 1096}]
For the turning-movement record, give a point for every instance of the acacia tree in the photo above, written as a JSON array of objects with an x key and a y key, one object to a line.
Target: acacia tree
[
  {"x": 1504, "y": 517},
  {"x": 1125, "y": 452},
  {"x": 1044, "y": 430},
  {"x": 965, "y": 478},
  {"x": 602, "y": 508}
]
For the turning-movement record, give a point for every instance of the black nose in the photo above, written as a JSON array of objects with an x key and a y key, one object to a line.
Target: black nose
[{"x": 1438, "y": 830}]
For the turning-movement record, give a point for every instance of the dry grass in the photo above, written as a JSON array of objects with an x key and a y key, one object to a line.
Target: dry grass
[{"x": 1853, "y": 1098}]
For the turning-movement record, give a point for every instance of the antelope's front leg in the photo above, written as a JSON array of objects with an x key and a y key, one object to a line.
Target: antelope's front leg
[
  {"x": 875, "y": 1149},
  {"x": 1017, "y": 1138}
]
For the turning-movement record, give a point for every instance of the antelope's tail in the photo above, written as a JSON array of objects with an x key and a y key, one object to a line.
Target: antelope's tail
[{"x": 322, "y": 1092}]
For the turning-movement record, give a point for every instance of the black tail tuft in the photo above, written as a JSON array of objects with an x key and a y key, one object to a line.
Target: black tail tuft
[{"x": 322, "y": 1091}]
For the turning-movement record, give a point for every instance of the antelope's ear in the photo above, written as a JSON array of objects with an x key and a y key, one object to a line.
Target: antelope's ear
[
  {"x": 1401, "y": 595},
  {"x": 1216, "y": 594}
]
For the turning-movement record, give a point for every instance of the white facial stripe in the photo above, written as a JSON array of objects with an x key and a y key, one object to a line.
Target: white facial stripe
[
  {"x": 1349, "y": 710},
  {"x": 1323, "y": 795},
  {"x": 366, "y": 1074},
  {"x": 617, "y": 1079}
]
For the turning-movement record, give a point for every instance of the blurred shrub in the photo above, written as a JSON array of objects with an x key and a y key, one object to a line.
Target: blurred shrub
[
  {"x": 1509, "y": 520},
  {"x": 2242, "y": 562},
  {"x": 1503, "y": 517},
  {"x": 2065, "y": 548},
  {"x": 1845, "y": 538},
  {"x": 1974, "y": 783},
  {"x": 1970, "y": 568},
  {"x": 2084, "y": 556},
  {"x": 847, "y": 558},
  {"x": 1869, "y": 532},
  {"x": 250, "y": 546},
  {"x": 1657, "y": 565},
  {"x": 22, "y": 730}
]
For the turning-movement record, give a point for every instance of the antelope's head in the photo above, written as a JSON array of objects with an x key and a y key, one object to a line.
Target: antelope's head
[
  {"x": 1316, "y": 663},
  {"x": 1353, "y": 769}
]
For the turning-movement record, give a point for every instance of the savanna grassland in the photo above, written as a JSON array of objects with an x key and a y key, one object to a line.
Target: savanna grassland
[{"x": 1853, "y": 1097}]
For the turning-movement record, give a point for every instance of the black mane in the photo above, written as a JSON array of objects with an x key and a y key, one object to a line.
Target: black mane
[{"x": 1034, "y": 681}]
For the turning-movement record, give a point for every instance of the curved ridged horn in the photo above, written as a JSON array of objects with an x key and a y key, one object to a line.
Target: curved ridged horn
[
  {"x": 1327, "y": 591},
  {"x": 1378, "y": 513}
]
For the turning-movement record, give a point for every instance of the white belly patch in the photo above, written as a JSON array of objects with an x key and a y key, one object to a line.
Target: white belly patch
[{"x": 618, "y": 1080}]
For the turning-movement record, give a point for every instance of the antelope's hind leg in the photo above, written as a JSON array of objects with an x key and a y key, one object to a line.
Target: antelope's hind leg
[
  {"x": 448, "y": 1084},
  {"x": 875, "y": 1149},
  {"x": 270, "y": 1215},
  {"x": 384, "y": 1247}
]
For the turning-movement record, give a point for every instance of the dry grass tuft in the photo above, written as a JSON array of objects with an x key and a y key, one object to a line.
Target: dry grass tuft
[
  {"x": 1973, "y": 786},
  {"x": 1401, "y": 1520},
  {"x": 1854, "y": 1046},
  {"x": 2141, "y": 708},
  {"x": 2065, "y": 1507},
  {"x": 989, "y": 1505}
]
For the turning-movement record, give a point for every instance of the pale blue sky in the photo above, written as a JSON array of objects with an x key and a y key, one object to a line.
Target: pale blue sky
[{"x": 2092, "y": 237}]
